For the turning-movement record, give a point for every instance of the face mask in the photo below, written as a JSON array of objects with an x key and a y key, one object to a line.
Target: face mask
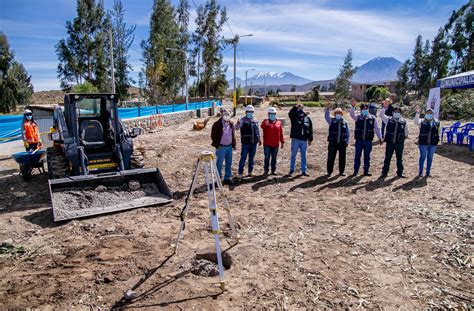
[
  {"x": 272, "y": 117},
  {"x": 338, "y": 116},
  {"x": 249, "y": 115},
  {"x": 29, "y": 117},
  {"x": 364, "y": 113},
  {"x": 429, "y": 116},
  {"x": 396, "y": 115},
  {"x": 226, "y": 117},
  {"x": 301, "y": 113}
]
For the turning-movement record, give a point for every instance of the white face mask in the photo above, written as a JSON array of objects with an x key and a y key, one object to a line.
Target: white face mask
[{"x": 226, "y": 117}]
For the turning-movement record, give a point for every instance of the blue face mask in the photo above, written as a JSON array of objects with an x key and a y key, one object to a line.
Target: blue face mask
[
  {"x": 272, "y": 117},
  {"x": 429, "y": 116},
  {"x": 249, "y": 115},
  {"x": 396, "y": 115},
  {"x": 338, "y": 116},
  {"x": 364, "y": 113},
  {"x": 29, "y": 117}
]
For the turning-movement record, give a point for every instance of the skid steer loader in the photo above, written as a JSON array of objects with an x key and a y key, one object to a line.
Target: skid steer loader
[{"x": 92, "y": 166}]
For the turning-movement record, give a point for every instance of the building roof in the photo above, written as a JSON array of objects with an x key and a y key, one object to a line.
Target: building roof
[
  {"x": 292, "y": 93},
  {"x": 326, "y": 93}
]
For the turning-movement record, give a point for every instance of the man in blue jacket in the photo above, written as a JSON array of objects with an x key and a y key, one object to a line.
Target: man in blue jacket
[{"x": 249, "y": 137}]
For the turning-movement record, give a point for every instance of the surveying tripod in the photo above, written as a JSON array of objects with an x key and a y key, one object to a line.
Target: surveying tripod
[{"x": 207, "y": 160}]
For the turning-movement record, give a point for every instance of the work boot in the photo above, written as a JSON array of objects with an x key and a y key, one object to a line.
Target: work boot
[
  {"x": 367, "y": 174},
  {"x": 265, "y": 173},
  {"x": 240, "y": 176},
  {"x": 250, "y": 174},
  {"x": 383, "y": 175},
  {"x": 305, "y": 174},
  {"x": 342, "y": 174},
  {"x": 274, "y": 173}
]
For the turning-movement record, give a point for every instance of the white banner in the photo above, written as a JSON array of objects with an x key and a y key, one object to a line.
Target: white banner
[{"x": 434, "y": 101}]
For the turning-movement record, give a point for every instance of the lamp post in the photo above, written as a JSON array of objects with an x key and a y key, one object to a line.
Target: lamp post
[
  {"x": 235, "y": 41},
  {"x": 246, "y": 71},
  {"x": 185, "y": 72}
]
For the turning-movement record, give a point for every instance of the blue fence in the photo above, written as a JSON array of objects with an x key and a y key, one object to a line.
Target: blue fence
[{"x": 10, "y": 126}]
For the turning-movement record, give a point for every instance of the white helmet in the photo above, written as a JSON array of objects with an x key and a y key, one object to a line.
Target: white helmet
[
  {"x": 27, "y": 111},
  {"x": 249, "y": 108},
  {"x": 272, "y": 110}
]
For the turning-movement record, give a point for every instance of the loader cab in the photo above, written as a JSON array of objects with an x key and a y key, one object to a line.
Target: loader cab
[{"x": 93, "y": 121}]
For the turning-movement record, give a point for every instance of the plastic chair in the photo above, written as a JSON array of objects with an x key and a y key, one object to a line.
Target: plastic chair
[
  {"x": 450, "y": 131},
  {"x": 471, "y": 142},
  {"x": 463, "y": 132}
]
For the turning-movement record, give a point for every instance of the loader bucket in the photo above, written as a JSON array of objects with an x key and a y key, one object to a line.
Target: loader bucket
[{"x": 87, "y": 195}]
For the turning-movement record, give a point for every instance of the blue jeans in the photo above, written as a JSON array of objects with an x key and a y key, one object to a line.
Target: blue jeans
[
  {"x": 366, "y": 146},
  {"x": 224, "y": 153},
  {"x": 426, "y": 151},
  {"x": 298, "y": 145},
  {"x": 247, "y": 150},
  {"x": 270, "y": 152}
]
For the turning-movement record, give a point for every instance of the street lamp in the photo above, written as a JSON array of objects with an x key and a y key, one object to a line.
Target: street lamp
[
  {"x": 185, "y": 72},
  {"x": 235, "y": 41},
  {"x": 246, "y": 71}
]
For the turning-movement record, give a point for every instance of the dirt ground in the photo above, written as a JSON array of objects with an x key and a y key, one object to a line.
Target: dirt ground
[{"x": 306, "y": 242}]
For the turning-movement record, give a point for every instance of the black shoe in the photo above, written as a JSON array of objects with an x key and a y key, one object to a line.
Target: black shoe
[
  {"x": 230, "y": 183},
  {"x": 265, "y": 174},
  {"x": 226, "y": 182},
  {"x": 367, "y": 174},
  {"x": 401, "y": 176},
  {"x": 305, "y": 174},
  {"x": 328, "y": 175},
  {"x": 383, "y": 175},
  {"x": 274, "y": 174},
  {"x": 342, "y": 174}
]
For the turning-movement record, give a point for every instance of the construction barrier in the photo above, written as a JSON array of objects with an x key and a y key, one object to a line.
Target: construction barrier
[{"x": 10, "y": 126}]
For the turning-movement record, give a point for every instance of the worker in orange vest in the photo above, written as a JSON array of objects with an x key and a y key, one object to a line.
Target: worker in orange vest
[{"x": 31, "y": 134}]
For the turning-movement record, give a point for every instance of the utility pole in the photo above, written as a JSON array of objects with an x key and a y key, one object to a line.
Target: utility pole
[
  {"x": 265, "y": 86},
  {"x": 185, "y": 72},
  {"x": 112, "y": 60},
  {"x": 246, "y": 71},
  {"x": 235, "y": 41}
]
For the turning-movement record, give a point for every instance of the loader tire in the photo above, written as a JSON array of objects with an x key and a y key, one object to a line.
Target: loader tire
[
  {"x": 137, "y": 160},
  {"x": 58, "y": 165}
]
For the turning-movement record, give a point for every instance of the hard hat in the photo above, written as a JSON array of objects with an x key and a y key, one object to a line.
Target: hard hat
[
  {"x": 272, "y": 110},
  {"x": 249, "y": 108},
  {"x": 338, "y": 110},
  {"x": 388, "y": 100},
  {"x": 27, "y": 111}
]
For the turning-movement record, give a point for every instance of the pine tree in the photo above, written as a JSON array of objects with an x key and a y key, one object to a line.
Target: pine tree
[
  {"x": 15, "y": 83},
  {"x": 343, "y": 80},
  {"x": 416, "y": 66},
  {"x": 403, "y": 80},
  {"x": 82, "y": 55},
  {"x": 209, "y": 23},
  {"x": 459, "y": 45},
  {"x": 182, "y": 18},
  {"x": 160, "y": 70},
  {"x": 440, "y": 56},
  {"x": 123, "y": 37}
]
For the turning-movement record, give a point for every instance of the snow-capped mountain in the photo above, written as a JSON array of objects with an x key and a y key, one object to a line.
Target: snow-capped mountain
[
  {"x": 377, "y": 69},
  {"x": 271, "y": 78}
]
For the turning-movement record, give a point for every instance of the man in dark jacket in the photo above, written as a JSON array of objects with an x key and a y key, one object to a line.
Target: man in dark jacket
[
  {"x": 338, "y": 138},
  {"x": 223, "y": 139},
  {"x": 301, "y": 136},
  {"x": 249, "y": 137},
  {"x": 397, "y": 132}
]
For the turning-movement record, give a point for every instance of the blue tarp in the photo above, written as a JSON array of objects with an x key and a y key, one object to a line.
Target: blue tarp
[{"x": 10, "y": 126}]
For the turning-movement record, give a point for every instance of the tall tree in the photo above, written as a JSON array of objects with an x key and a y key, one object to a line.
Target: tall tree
[
  {"x": 209, "y": 22},
  {"x": 343, "y": 80},
  {"x": 403, "y": 80},
  {"x": 458, "y": 44},
  {"x": 15, "y": 83},
  {"x": 122, "y": 37},
  {"x": 182, "y": 18},
  {"x": 416, "y": 65},
  {"x": 439, "y": 56},
  {"x": 159, "y": 71},
  {"x": 82, "y": 55}
]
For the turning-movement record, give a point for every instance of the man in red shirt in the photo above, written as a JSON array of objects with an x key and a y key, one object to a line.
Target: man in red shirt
[{"x": 272, "y": 139}]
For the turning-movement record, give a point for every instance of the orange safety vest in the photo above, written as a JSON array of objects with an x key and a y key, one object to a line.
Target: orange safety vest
[{"x": 31, "y": 132}]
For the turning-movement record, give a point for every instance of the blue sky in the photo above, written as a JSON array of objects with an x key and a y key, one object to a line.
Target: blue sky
[{"x": 307, "y": 38}]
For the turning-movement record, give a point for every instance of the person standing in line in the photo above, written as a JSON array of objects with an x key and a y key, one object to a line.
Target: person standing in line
[
  {"x": 301, "y": 136},
  {"x": 366, "y": 128},
  {"x": 249, "y": 137},
  {"x": 397, "y": 132},
  {"x": 338, "y": 138},
  {"x": 388, "y": 112},
  {"x": 272, "y": 138},
  {"x": 223, "y": 139},
  {"x": 428, "y": 139}
]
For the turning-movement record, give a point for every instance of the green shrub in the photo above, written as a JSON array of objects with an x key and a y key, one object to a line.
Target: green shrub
[{"x": 85, "y": 88}]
